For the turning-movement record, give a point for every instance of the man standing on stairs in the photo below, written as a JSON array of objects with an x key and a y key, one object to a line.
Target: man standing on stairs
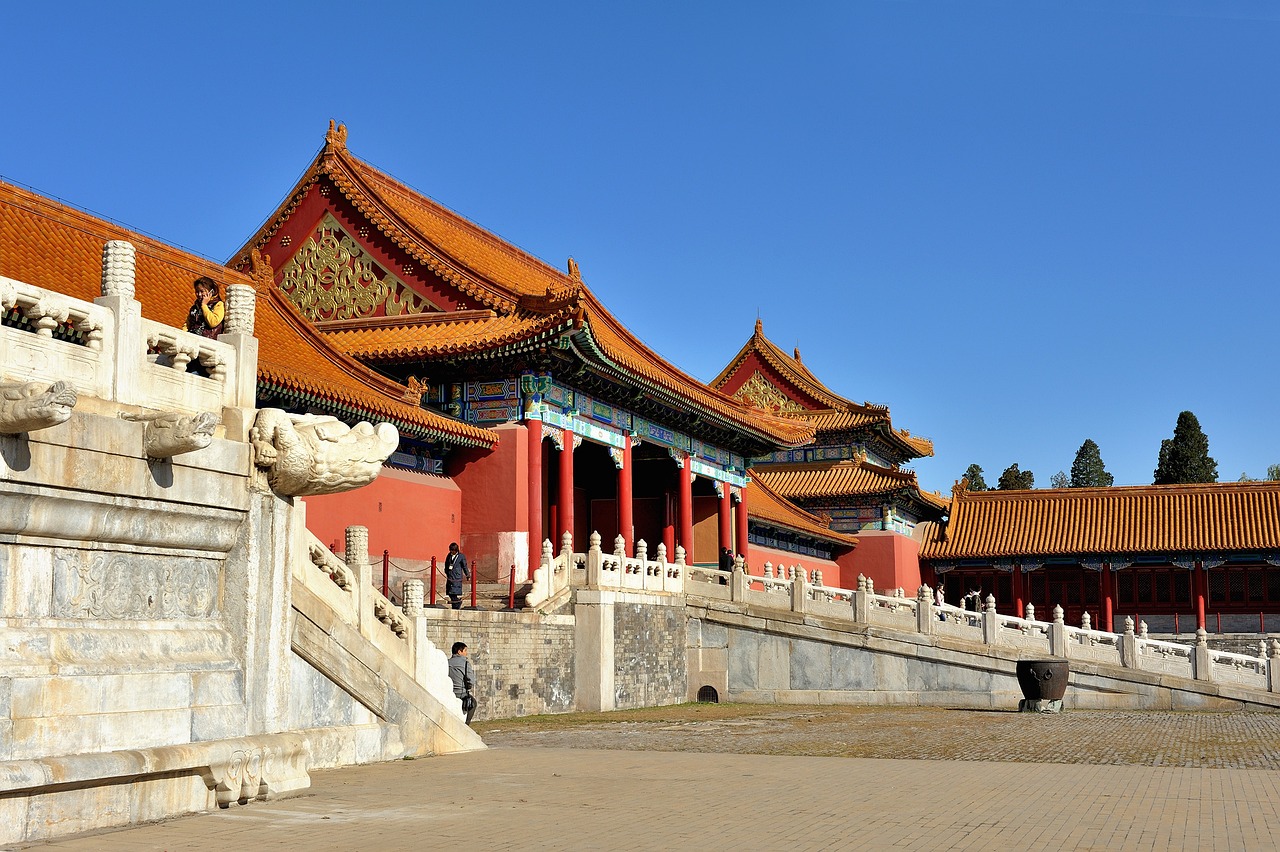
[{"x": 455, "y": 571}]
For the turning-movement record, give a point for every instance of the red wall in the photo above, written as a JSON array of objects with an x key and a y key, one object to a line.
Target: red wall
[
  {"x": 414, "y": 515},
  {"x": 891, "y": 560},
  {"x": 495, "y": 501}
]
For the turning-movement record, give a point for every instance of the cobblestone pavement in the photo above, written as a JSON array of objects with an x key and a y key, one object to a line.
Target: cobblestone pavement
[
  {"x": 518, "y": 797},
  {"x": 1218, "y": 740}
]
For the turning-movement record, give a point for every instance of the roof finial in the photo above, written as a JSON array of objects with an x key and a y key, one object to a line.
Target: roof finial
[
  {"x": 759, "y": 327},
  {"x": 797, "y": 353},
  {"x": 336, "y": 137},
  {"x": 574, "y": 273},
  {"x": 264, "y": 277}
]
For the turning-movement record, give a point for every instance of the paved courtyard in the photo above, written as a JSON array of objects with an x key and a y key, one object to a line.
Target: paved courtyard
[{"x": 529, "y": 796}]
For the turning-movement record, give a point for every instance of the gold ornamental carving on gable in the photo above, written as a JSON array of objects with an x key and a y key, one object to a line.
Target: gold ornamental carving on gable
[
  {"x": 763, "y": 393},
  {"x": 331, "y": 277}
]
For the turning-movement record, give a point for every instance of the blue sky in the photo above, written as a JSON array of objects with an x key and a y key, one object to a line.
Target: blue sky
[{"x": 1019, "y": 224}]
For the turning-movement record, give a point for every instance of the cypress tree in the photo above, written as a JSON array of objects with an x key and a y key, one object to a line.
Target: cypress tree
[
  {"x": 974, "y": 476},
  {"x": 1185, "y": 458},
  {"x": 1088, "y": 471},
  {"x": 1014, "y": 479}
]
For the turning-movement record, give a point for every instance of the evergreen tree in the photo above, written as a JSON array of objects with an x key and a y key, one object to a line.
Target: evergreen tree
[
  {"x": 974, "y": 475},
  {"x": 1273, "y": 472},
  {"x": 1014, "y": 479},
  {"x": 1186, "y": 458},
  {"x": 1059, "y": 480},
  {"x": 1087, "y": 471}
]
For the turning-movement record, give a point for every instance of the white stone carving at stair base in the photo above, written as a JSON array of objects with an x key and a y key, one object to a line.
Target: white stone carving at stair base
[
  {"x": 307, "y": 455},
  {"x": 28, "y": 406},
  {"x": 171, "y": 433}
]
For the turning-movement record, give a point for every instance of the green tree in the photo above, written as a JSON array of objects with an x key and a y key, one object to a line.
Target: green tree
[
  {"x": 1088, "y": 471},
  {"x": 1273, "y": 472},
  {"x": 1185, "y": 458},
  {"x": 974, "y": 475},
  {"x": 1014, "y": 479},
  {"x": 1059, "y": 480}
]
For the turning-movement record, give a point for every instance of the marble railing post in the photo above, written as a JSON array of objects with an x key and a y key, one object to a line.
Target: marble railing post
[
  {"x": 126, "y": 347},
  {"x": 1202, "y": 667},
  {"x": 594, "y": 559},
  {"x": 738, "y": 580},
  {"x": 924, "y": 610},
  {"x": 1273, "y": 666},
  {"x": 990, "y": 622},
  {"x": 242, "y": 303},
  {"x": 1057, "y": 633},
  {"x": 862, "y": 601},
  {"x": 1129, "y": 645},
  {"x": 357, "y": 559},
  {"x": 799, "y": 592}
]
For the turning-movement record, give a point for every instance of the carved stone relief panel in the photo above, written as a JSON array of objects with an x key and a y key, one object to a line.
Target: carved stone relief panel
[{"x": 133, "y": 586}]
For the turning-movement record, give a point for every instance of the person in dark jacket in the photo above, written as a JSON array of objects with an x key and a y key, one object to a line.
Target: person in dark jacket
[
  {"x": 464, "y": 678},
  {"x": 455, "y": 572}
]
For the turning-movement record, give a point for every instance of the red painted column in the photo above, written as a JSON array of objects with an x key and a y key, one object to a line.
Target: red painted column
[
  {"x": 564, "y": 497},
  {"x": 686, "y": 510},
  {"x": 669, "y": 527},
  {"x": 1202, "y": 587},
  {"x": 535, "y": 493},
  {"x": 740, "y": 547},
  {"x": 725, "y": 517},
  {"x": 626, "y": 519},
  {"x": 1019, "y": 595},
  {"x": 1108, "y": 598}
]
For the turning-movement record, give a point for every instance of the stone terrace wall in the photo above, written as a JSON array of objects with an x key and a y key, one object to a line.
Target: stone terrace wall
[
  {"x": 524, "y": 661},
  {"x": 649, "y": 653}
]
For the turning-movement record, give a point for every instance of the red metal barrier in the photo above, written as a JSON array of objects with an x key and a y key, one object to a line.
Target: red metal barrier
[
  {"x": 511, "y": 591},
  {"x": 1262, "y": 623},
  {"x": 473, "y": 589},
  {"x": 1176, "y": 631},
  {"x": 433, "y": 582},
  {"x": 1219, "y": 621},
  {"x": 386, "y": 574}
]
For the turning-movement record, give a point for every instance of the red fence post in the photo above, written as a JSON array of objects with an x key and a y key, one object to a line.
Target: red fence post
[
  {"x": 433, "y": 581},
  {"x": 1176, "y": 631},
  {"x": 473, "y": 588},
  {"x": 386, "y": 574},
  {"x": 1219, "y": 622},
  {"x": 511, "y": 592}
]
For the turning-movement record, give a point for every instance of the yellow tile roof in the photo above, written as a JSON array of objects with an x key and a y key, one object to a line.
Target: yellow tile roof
[
  {"x": 59, "y": 248},
  {"x": 835, "y": 413},
  {"x": 526, "y": 295},
  {"x": 769, "y": 506},
  {"x": 1233, "y": 516},
  {"x": 817, "y": 480}
]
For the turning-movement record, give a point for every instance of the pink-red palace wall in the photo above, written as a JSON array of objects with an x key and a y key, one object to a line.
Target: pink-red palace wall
[{"x": 413, "y": 515}]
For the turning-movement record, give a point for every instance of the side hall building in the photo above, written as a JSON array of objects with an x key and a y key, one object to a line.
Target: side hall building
[{"x": 1193, "y": 556}]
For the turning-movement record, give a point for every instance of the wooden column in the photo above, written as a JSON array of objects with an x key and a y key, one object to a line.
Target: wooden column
[
  {"x": 626, "y": 517},
  {"x": 1108, "y": 597},
  {"x": 686, "y": 510},
  {"x": 1201, "y": 585},
  {"x": 535, "y": 493},
  {"x": 725, "y": 516},
  {"x": 740, "y": 518},
  {"x": 564, "y": 497}
]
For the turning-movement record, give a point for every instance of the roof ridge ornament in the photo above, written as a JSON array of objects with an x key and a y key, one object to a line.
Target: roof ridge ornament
[
  {"x": 797, "y": 355},
  {"x": 961, "y": 487},
  {"x": 260, "y": 270},
  {"x": 336, "y": 137},
  {"x": 759, "y": 327}
]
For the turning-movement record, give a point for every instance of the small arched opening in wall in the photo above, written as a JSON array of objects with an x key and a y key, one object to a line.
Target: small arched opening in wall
[{"x": 708, "y": 695}]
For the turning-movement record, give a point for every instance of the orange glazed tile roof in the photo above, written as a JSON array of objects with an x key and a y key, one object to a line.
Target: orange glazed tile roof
[
  {"x": 839, "y": 413},
  {"x": 528, "y": 296},
  {"x": 59, "y": 248},
  {"x": 769, "y": 506},
  {"x": 1216, "y": 517},
  {"x": 840, "y": 479}
]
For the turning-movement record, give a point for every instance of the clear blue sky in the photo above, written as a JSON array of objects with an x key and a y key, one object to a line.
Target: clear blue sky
[{"x": 1019, "y": 224}]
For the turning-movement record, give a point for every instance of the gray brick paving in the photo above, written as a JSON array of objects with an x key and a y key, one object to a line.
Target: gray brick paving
[{"x": 521, "y": 797}]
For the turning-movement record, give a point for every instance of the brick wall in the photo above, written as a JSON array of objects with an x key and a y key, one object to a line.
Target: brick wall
[
  {"x": 649, "y": 654},
  {"x": 523, "y": 661}
]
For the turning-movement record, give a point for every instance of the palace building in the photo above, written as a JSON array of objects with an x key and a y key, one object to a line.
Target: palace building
[
  {"x": 852, "y": 473},
  {"x": 1204, "y": 555}
]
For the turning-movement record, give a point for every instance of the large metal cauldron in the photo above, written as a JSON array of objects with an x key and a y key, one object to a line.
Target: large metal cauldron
[{"x": 1043, "y": 683}]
